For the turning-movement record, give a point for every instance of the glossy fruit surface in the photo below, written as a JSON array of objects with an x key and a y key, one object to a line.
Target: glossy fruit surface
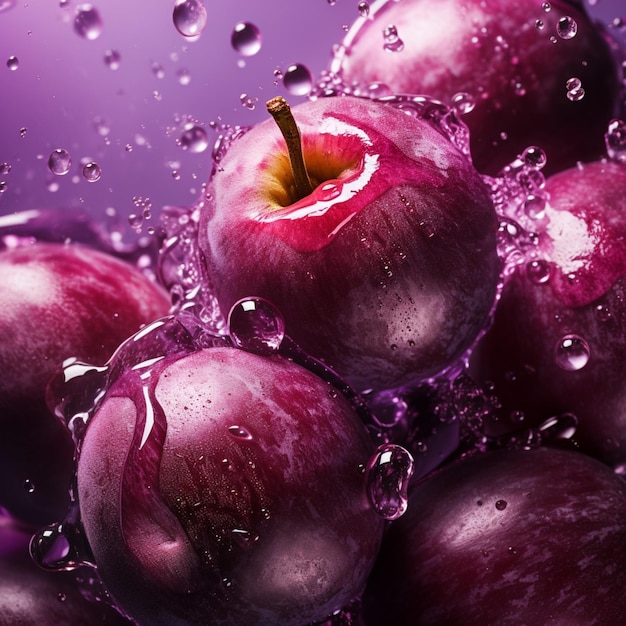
[
  {"x": 512, "y": 66},
  {"x": 387, "y": 271},
  {"x": 509, "y": 537},
  {"x": 227, "y": 488}
]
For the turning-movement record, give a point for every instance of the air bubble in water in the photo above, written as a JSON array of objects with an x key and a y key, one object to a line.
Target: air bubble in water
[
  {"x": 534, "y": 157},
  {"x": 566, "y": 27},
  {"x": 615, "y": 141},
  {"x": 92, "y": 172},
  {"x": 112, "y": 59},
  {"x": 391, "y": 39},
  {"x": 13, "y": 63},
  {"x": 463, "y": 102},
  {"x": 246, "y": 39},
  {"x": 387, "y": 480},
  {"x": 572, "y": 353},
  {"x": 364, "y": 9},
  {"x": 194, "y": 138},
  {"x": 59, "y": 162},
  {"x": 87, "y": 22},
  {"x": 190, "y": 18},
  {"x": 298, "y": 80},
  {"x": 256, "y": 325}
]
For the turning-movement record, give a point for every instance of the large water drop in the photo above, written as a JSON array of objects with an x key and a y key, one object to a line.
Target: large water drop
[
  {"x": 246, "y": 39},
  {"x": 256, "y": 325},
  {"x": 572, "y": 353},
  {"x": 194, "y": 138},
  {"x": 567, "y": 27},
  {"x": 87, "y": 22},
  {"x": 59, "y": 162},
  {"x": 298, "y": 80},
  {"x": 190, "y": 18}
]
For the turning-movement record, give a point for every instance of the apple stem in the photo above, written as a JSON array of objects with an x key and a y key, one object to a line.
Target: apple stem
[{"x": 280, "y": 110}]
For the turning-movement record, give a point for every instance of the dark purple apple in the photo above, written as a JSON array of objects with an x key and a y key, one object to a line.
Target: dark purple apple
[
  {"x": 508, "y": 537},
  {"x": 558, "y": 341},
  {"x": 56, "y": 301},
  {"x": 511, "y": 61},
  {"x": 386, "y": 268},
  {"x": 226, "y": 487}
]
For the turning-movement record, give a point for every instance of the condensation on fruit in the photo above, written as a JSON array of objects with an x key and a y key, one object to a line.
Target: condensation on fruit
[
  {"x": 572, "y": 353},
  {"x": 256, "y": 325}
]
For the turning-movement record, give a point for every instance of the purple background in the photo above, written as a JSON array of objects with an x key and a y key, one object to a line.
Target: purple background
[{"x": 62, "y": 85}]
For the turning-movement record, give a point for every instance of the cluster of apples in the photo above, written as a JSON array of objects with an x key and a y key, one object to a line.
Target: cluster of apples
[{"x": 362, "y": 280}]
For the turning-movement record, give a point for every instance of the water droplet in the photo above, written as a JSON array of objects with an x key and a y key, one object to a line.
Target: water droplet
[
  {"x": 256, "y": 325},
  {"x": 387, "y": 480},
  {"x": 238, "y": 432},
  {"x": 615, "y": 141},
  {"x": 59, "y": 162},
  {"x": 463, "y": 102},
  {"x": 158, "y": 71},
  {"x": 534, "y": 207},
  {"x": 559, "y": 427},
  {"x": 575, "y": 91},
  {"x": 92, "y": 172},
  {"x": 246, "y": 39},
  {"x": 547, "y": 7},
  {"x": 5, "y": 168},
  {"x": 391, "y": 39},
  {"x": 534, "y": 157},
  {"x": 87, "y": 22},
  {"x": 194, "y": 138},
  {"x": 112, "y": 59},
  {"x": 244, "y": 537},
  {"x": 23, "y": 131},
  {"x": 501, "y": 505},
  {"x": 52, "y": 548},
  {"x": 538, "y": 271},
  {"x": 13, "y": 63},
  {"x": 364, "y": 9},
  {"x": 566, "y": 27},
  {"x": 61, "y": 597},
  {"x": 184, "y": 76},
  {"x": 190, "y": 18},
  {"x": 539, "y": 24},
  {"x": 298, "y": 80},
  {"x": 249, "y": 102},
  {"x": 3, "y": 186},
  {"x": 572, "y": 353},
  {"x": 29, "y": 486}
]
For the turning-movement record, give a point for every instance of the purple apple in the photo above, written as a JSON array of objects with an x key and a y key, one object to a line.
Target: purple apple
[
  {"x": 385, "y": 268},
  {"x": 508, "y": 537},
  {"x": 510, "y": 61},
  {"x": 57, "y": 301},
  {"x": 226, "y": 487},
  {"x": 558, "y": 341}
]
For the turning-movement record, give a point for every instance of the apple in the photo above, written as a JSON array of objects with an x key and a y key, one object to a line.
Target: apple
[
  {"x": 225, "y": 487},
  {"x": 508, "y": 537},
  {"x": 56, "y": 301},
  {"x": 558, "y": 341},
  {"x": 384, "y": 265},
  {"x": 507, "y": 64}
]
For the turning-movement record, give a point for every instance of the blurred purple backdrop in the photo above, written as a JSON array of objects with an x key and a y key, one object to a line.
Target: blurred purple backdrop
[{"x": 62, "y": 90}]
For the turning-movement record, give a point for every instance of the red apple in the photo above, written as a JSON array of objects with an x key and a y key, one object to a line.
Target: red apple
[
  {"x": 387, "y": 269},
  {"x": 558, "y": 341},
  {"x": 511, "y": 60},
  {"x": 57, "y": 301},
  {"x": 226, "y": 487},
  {"x": 508, "y": 537}
]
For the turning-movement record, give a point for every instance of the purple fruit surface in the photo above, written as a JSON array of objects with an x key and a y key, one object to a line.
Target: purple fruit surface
[
  {"x": 507, "y": 64},
  {"x": 387, "y": 271},
  {"x": 508, "y": 537},
  {"x": 58, "y": 301},
  {"x": 227, "y": 488}
]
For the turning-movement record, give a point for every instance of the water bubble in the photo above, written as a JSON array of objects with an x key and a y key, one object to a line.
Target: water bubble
[
  {"x": 184, "y": 76},
  {"x": 112, "y": 59},
  {"x": 3, "y": 186},
  {"x": 391, "y": 39},
  {"x": 92, "y": 172},
  {"x": 538, "y": 271},
  {"x": 463, "y": 102},
  {"x": 559, "y": 427},
  {"x": 566, "y": 27},
  {"x": 547, "y": 7},
  {"x": 158, "y": 71},
  {"x": 575, "y": 91},
  {"x": 298, "y": 80},
  {"x": 364, "y": 9},
  {"x": 239, "y": 432},
  {"x": 615, "y": 141},
  {"x": 501, "y": 505},
  {"x": 87, "y": 22},
  {"x": 5, "y": 168},
  {"x": 387, "y": 480},
  {"x": 572, "y": 353},
  {"x": 534, "y": 157},
  {"x": 194, "y": 138},
  {"x": 29, "y": 486},
  {"x": 59, "y": 162},
  {"x": 256, "y": 325},
  {"x": 534, "y": 207},
  {"x": 246, "y": 39},
  {"x": 53, "y": 549},
  {"x": 13, "y": 63},
  {"x": 539, "y": 24},
  {"x": 190, "y": 18},
  {"x": 23, "y": 131}
]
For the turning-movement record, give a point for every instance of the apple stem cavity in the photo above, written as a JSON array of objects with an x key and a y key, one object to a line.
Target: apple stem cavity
[{"x": 280, "y": 110}]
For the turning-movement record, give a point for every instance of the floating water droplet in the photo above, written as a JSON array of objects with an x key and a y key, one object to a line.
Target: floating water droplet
[
  {"x": 249, "y": 102},
  {"x": 244, "y": 537},
  {"x": 5, "y": 168},
  {"x": 184, "y": 76},
  {"x": 566, "y": 27},
  {"x": 534, "y": 157},
  {"x": 246, "y": 39},
  {"x": 575, "y": 91},
  {"x": 615, "y": 141},
  {"x": 256, "y": 325},
  {"x": 13, "y": 63},
  {"x": 387, "y": 480},
  {"x": 298, "y": 80},
  {"x": 391, "y": 39},
  {"x": 92, "y": 172},
  {"x": 239, "y": 432},
  {"x": 61, "y": 597},
  {"x": 538, "y": 271},
  {"x": 158, "y": 71},
  {"x": 59, "y": 162},
  {"x": 29, "y": 486},
  {"x": 112, "y": 59},
  {"x": 463, "y": 102},
  {"x": 102, "y": 126},
  {"x": 190, "y": 18},
  {"x": 364, "y": 9},
  {"x": 539, "y": 24},
  {"x": 51, "y": 548},
  {"x": 3, "y": 186},
  {"x": 87, "y": 22},
  {"x": 547, "y": 7},
  {"x": 194, "y": 138},
  {"x": 501, "y": 505},
  {"x": 559, "y": 427},
  {"x": 572, "y": 353},
  {"x": 23, "y": 131}
]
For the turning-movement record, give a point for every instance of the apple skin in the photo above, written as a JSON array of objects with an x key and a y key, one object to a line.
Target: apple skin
[
  {"x": 507, "y": 537},
  {"x": 30, "y": 595},
  {"x": 204, "y": 525},
  {"x": 514, "y": 73},
  {"x": 57, "y": 301},
  {"x": 387, "y": 272},
  {"x": 581, "y": 241}
]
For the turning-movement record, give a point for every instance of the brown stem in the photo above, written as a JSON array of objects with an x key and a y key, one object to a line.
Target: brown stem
[{"x": 280, "y": 110}]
